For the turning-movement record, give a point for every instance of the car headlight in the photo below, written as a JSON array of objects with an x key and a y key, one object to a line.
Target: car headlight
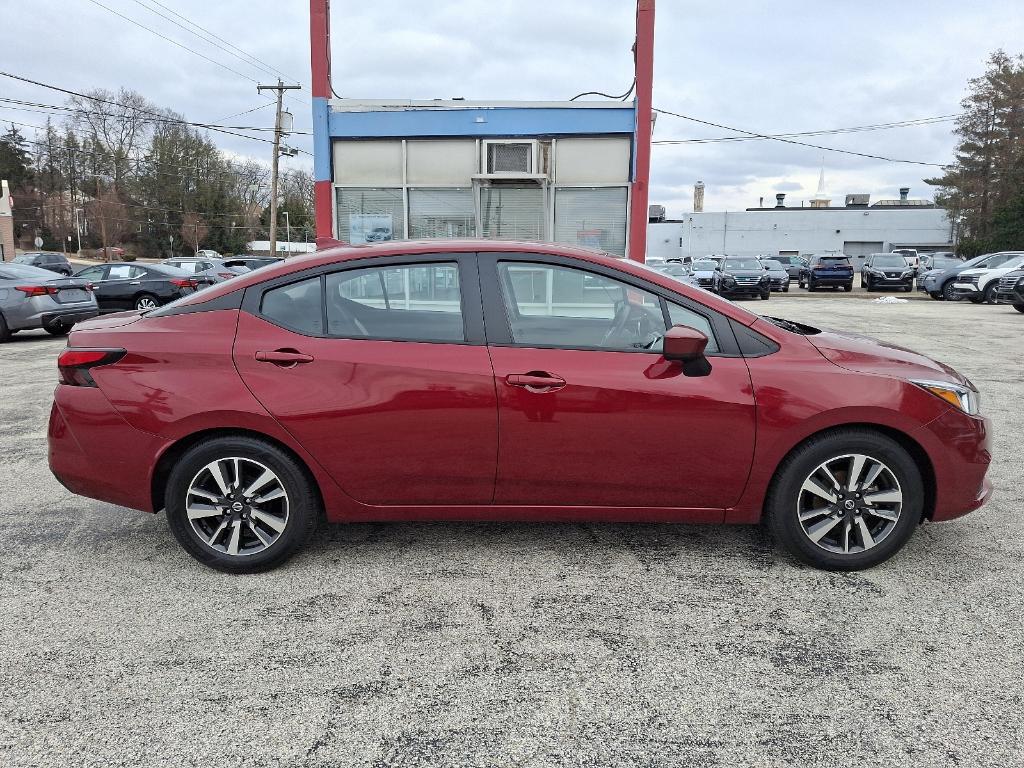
[
  {"x": 908, "y": 273},
  {"x": 966, "y": 399},
  {"x": 764, "y": 278},
  {"x": 728, "y": 279}
]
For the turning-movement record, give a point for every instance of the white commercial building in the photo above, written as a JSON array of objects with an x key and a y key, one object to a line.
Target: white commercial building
[{"x": 856, "y": 229}]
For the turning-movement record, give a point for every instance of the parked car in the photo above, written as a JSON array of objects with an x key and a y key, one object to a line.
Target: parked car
[
  {"x": 54, "y": 262},
  {"x": 934, "y": 265},
  {"x": 31, "y": 297},
  {"x": 828, "y": 270},
  {"x": 677, "y": 271},
  {"x": 251, "y": 262},
  {"x": 778, "y": 275},
  {"x": 793, "y": 265},
  {"x": 886, "y": 270},
  {"x": 741, "y": 276},
  {"x": 703, "y": 270},
  {"x": 323, "y": 382},
  {"x": 936, "y": 259},
  {"x": 939, "y": 284},
  {"x": 120, "y": 285},
  {"x": 206, "y": 270},
  {"x": 1010, "y": 289},
  {"x": 207, "y": 254},
  {"x": 978, "y": 284}
]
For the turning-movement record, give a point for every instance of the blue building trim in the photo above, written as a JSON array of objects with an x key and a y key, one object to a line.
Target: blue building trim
[
  {"x": 321, "y": 140},
  {"x": 479, "y": 122}
]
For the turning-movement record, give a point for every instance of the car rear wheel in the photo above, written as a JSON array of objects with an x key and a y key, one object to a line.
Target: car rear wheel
[
  {"x": 146, "y": 302},
  {"x": 240, "y": 505},
  {"x": 846, "y": 500},
  {"x": 5, "y": 332}
]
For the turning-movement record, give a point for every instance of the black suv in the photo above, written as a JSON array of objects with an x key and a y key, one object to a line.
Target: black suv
[
  {"x": 55, "y": 262},
  {"x": 886, "y": 270},
  {"x": 828, "y": 270},
  {"x": 741, "y": 276},
  {"x": 1010, "y": 289}
]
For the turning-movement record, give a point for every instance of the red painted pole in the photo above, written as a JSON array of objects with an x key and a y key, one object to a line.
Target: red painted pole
[
  {"x": 644, "y": 56},
  {"x": 320, "y": 69}
]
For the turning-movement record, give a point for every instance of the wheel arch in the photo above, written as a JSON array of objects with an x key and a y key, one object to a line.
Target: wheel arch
[
  {"x": 905, "y": 441},
  {"x": 165, "y": 464}
]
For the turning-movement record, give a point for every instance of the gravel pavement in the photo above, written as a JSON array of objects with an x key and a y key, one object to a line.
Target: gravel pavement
[{"x": 516, "y": 645}]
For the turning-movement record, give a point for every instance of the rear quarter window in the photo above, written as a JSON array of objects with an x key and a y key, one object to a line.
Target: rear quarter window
[{"x": 296, "y": 306}]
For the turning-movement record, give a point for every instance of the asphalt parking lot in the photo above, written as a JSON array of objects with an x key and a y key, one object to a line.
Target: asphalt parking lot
[{"x": 517, "y": 645}]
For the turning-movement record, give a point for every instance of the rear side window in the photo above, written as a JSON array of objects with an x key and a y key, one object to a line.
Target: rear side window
[
  {"x": 123, "y": 272},
  {"x": 417, "y": 302},
  {"x": 296, "y": 306}
]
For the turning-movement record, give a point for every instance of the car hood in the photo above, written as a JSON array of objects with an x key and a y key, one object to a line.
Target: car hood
[
  {"x": 868, "y": 355},
  {"x": 115, "y": 320}
]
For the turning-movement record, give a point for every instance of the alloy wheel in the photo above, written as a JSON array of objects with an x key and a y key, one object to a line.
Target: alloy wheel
[
  {"x": 237, "y": 506},
  {"x": 849, "y": 503},
  {"x": 146, "y": 303}
]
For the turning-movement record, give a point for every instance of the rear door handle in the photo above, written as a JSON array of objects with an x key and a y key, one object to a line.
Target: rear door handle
[
  {"x": 285, "y": 358},
  {"x": 536, "y": 381}
]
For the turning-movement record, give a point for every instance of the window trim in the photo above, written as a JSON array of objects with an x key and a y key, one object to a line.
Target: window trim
[
  {"x": 469, "y": 282},
  {"x": 499, "y": 332}
]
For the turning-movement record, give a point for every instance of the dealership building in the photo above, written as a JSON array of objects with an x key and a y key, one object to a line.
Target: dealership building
[{"x": 857, "y": 228}]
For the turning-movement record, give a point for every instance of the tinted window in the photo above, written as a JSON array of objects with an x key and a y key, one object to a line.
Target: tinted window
[
  {"x": 296, "y": 306},
  {"x": 682, "y": 316},
  {"x": 419, "y": 302},
  {"x": 25, "y": 258},
  {"x": 834, "y": 261},
  {"x": 552, "y": 306},
  {"x": 741, "y": 264},
  {"x": 92, "y": 273},
  {"x": 888, "y": 260},
  {"x": 946, "y": 263}
]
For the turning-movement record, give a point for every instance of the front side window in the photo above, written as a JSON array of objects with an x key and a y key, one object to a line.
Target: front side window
[
  {"x": 553, "y": 306},
  {"x": 296, "y": 306},
  {"x": 416, "y": 302}
]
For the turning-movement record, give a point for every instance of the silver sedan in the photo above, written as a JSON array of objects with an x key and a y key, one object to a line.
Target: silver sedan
[
  {"x": 206, "y": 270},
  {"x": 33, "y": 298}
]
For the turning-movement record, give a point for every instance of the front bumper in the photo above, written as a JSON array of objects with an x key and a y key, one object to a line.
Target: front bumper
[
  {"x": 743, "y": 290},
  {"x": 779, "y": 284},
  {"x": 960, "y": 449},
  {"x": 966, "y": 291}
]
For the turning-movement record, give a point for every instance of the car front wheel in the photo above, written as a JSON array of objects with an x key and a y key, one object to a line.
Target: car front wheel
[
  {"x": 241, "y": 505},
  {"x": 1019, "y": 307},
  {"x": 845, "y": 500},
  {"x": 949, "y": 292}
]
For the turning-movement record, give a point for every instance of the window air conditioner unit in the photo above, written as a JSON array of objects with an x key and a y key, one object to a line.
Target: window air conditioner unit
[{"x": 514, "y": 157}]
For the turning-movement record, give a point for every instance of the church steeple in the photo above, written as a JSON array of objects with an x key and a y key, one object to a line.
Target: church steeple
[{"x": 821, "y": 198}]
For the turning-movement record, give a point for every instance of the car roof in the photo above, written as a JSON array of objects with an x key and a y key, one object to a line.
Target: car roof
[{"x": 341, "y": 254}]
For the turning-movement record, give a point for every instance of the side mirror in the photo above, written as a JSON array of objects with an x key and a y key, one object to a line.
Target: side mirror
[{"x": 686, "y": 345}]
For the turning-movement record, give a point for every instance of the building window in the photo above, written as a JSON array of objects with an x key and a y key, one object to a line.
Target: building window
[
  {"x": 512, "y": 212},
  {"x": 443, "y": 213},
  {"x": 368, "y": 215},
  {"x": 592, "y": 217}
]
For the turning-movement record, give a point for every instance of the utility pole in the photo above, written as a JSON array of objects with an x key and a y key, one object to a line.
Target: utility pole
[{"x": 280, "y": 88}]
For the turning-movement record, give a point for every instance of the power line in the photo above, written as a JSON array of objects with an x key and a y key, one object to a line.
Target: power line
[
  {"x": 792, "y": 141},
  {"x": 124, "y": 106},
  {"x": 829, "y": 131}
]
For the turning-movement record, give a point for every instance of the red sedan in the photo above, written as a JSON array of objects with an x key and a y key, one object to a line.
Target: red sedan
[{"x": 481, "y": 380}]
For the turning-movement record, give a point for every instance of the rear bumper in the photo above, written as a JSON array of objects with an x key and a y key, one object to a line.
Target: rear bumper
[
  {"x": 49, "y": 315},
  {"x": 833, "y": 281},
  {"x": 56, "y": 319},
  {"x": 94, "y": 452}
]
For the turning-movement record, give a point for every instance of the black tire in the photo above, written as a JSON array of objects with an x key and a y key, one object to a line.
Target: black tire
[
  {"x": 766, "y": 295},
  {"x": 58, "y": 330},
  {"x": 785, "y": 288},
  {"x": 781, "y": 510},
  {"x": 848, "y": 287},
  {"x": 1019, "y": 307},
  {"x": 948, "y": 293},
  {"x": 811, "y": 287},
  {"x": 5, "y": 332},
  {"x": 144, "y": 298},
  {"x": 988, "y": 296},
  {"x": 936, "y": 295},
  {"x": 303, "y": 503}
]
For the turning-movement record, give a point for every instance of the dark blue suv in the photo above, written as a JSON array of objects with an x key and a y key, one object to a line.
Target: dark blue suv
[{"x": 829, "y": 270}]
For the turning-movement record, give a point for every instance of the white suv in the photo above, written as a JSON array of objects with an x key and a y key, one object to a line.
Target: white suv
[{"x": 979, "y": 285}]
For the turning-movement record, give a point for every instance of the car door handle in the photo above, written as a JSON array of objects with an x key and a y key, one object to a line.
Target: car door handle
[
  {"x": 286, "y": 358},
  {"x": 536, "y": 381},
  {"x": 135, "y": 282}
]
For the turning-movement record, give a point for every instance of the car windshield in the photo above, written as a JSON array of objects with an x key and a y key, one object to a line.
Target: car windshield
[
  {"x": 772, "y": 264},
  {"x": 946, "y": 262},
  {"x": 674, "y": 269},
  {"x": 704, "y": 265},
  {"x": 25, "y": 258},
  {"x": 836, "y": 261},
  {"x": 888, "y": 260},
  {"x": 741, "y": 264}
]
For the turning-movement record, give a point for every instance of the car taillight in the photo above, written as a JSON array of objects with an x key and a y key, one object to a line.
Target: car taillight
[
  {"x": 37, "y": 290},
  {"x": 182, "y": 282},
  {"x": 74, "y": 365}
]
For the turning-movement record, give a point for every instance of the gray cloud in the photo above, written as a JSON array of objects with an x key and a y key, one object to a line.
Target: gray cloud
[{"x": 773, "y": 68}]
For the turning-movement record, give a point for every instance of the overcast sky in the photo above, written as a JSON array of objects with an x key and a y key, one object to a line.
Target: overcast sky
[{"x": 770, "y": 67}]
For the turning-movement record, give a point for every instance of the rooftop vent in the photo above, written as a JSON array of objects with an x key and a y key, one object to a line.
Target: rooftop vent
[
  {"x": 904, "y": 193},
  {"x": 780, "y": 200}
]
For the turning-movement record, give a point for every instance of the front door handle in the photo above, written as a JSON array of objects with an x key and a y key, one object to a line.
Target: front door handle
[
  {"x": 536, "y": 381},
  {"x": 285, "y": 358}
]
